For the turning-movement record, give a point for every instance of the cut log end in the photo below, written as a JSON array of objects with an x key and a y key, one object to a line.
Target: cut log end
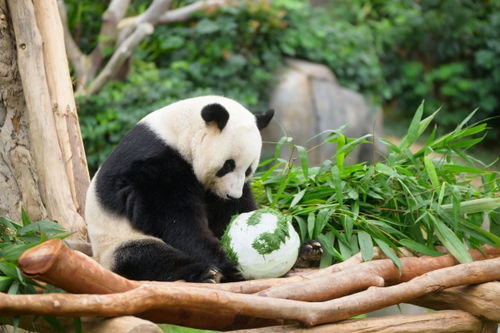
[{"x": 38, "y": 260}]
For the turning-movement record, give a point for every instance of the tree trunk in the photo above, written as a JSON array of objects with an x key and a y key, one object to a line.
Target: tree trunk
[
  {"x": 18, "y": 175},
  {"x": 42, "y": 164}
]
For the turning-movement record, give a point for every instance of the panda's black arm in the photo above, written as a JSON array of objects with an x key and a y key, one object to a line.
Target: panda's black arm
[
  {"x": 220, "y": 211},
  {"x": 172, "y": 208}
]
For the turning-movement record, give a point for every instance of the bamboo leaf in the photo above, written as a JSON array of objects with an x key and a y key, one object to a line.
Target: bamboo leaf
[
  {"x": 310, "y": 225},
  {"x": 326, "y": 241},
  {"x": 475, "y": 206},
  {"x": 431, "y": 171},
  {"x": 279, "y": 146},
  {"x": 389, "y": 252},
  {"x": 24, "y": 217},
  {"x": 5, "y": 282},
  {"x": 456, "y": 168},
  {"x": 296, "y": 198},
  {"x": 302, "y": 227},
  {"x": 413, "y": 130},
  {"x": 422, "y": 126},
  {"x": 450, "y": 241},
  {"x": 419, "y": 247},
  {"x": 366, "y": 245},
  {"x": 303, "y": 161}
]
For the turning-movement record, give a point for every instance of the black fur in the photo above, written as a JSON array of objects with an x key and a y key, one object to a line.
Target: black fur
[
  {"x": 264, "y": 118},
  {"x": 228, "y": 167},
  {"x": 215, "y": 112},
  {"x": 156, "y": 189}
]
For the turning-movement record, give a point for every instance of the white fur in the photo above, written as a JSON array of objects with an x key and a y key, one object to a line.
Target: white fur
[{"x": 206, "y": 148}]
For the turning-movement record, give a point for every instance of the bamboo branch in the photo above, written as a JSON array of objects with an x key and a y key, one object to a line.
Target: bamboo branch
[
  {"x": 186, "y": 300},
  {"x": 53, "y": 180}
]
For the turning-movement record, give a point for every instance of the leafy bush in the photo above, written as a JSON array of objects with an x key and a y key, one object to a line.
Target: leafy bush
[
  {"x": 446, "y": 52},
  {"x": 234, "y": 51},
  {"x": 14, "y": 240},
  {"x": 416, "y": 200}
]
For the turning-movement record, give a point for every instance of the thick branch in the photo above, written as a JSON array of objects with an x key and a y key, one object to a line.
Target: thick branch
[
  {"x": 186, "y": 12},
  {"x": 376, "y": 273},
  {"x": 150, "y": 16},
  {"x": 435, "y": 322},
  {"x": 126, "y": 324},
  {"x": 171, "y": 298},
  {"x": 109, "y": 30},
  {"x": 62, "y": 99},
  {"x": 53, "y": 180},
  {"x": 81, "y": 63},
  {"x": 123, "y": 52},
  {"x": 481, "y": 300}
]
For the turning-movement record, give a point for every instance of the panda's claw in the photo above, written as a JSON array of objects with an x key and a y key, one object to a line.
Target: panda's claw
[
  {"x": 309, "y": 254},
  {"x": 212, "y": 275}
]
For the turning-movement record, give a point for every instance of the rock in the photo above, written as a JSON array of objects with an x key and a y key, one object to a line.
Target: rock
[{"x": 308, "y": 102}]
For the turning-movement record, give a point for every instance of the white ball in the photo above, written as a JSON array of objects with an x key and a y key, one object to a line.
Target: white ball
[{"x": 263, "y": 243}]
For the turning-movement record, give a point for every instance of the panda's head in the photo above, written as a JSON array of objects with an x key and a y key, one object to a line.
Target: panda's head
[{"x": 227, "y": 152}]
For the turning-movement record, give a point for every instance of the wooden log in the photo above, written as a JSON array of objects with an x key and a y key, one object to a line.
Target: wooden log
[
  {"x": 54, "y": 263},
  {"x": 222, "y": 307},
  {"x": 376, "y": 273},
  {"x": 125, "y": 324},
  {"x": 482, "y": 300},
  {"x": 435, "y": 322}
]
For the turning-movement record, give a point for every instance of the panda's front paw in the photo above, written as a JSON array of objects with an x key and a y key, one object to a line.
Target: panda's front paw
[
  {"x": 309, "y": 254},
  {"x": 212, "y": 275},
  {"x": 231, "y": 273},
  {"x": 198, "y": 272}
]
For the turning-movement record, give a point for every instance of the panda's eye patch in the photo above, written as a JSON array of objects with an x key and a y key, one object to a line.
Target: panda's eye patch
[
  {"x": 228, "y": 166},
  {"x": 248, "y": 172}
]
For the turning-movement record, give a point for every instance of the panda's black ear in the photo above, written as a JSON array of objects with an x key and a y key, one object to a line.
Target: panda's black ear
[
  {"x": 215, "y": 113},
  {"x": 264, "y": 118}
]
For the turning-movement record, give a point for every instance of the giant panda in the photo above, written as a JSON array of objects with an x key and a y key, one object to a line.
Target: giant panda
[{"x": 158, "y": 205}]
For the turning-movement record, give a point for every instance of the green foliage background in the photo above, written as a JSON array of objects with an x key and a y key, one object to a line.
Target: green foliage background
[{"x": 395, "y": 52}]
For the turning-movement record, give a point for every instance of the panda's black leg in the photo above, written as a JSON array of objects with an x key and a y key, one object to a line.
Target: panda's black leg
[{"x": 150, "y": 259}]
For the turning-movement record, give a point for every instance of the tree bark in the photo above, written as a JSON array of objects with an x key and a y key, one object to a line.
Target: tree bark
[
  {"x": 18, "y": 175},
  {"x": 62, "y": 99},
  {"x": 53, "y": 181}
]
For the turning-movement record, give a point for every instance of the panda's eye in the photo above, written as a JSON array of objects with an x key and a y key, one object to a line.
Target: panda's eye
[
  {"x": 248, "y": 172},
  {"x": 228, "y": 166}
]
